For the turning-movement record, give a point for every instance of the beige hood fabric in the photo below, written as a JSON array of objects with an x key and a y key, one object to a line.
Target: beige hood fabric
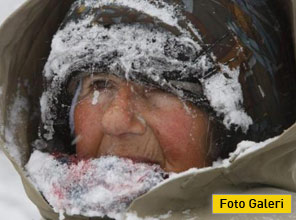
[{"x": 264, "y": 168}]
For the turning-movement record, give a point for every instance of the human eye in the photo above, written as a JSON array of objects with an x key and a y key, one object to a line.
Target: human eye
[
  {"x": 102, "y": 84},
  {"x": 92, "y": 83}
]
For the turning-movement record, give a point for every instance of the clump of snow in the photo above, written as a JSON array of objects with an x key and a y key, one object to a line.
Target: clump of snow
[
  {"x": 221, "y": 163},
  {"x": 247, "y": 147},
  {"x": 95, "y": 187},
  {"x": 95, "y": 99},
  {"x": 225, "y": 95},
  {"x": 242, "y": 149}
]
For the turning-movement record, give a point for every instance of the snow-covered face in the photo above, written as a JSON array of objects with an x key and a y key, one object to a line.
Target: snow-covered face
[{"x": 120, "y": 118}]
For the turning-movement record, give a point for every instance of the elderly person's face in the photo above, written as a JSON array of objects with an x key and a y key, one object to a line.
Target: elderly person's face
[{"x": 116, "y": 117}]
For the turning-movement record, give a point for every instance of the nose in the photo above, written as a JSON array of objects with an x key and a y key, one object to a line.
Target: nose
[{"x": 120, "y": 117}]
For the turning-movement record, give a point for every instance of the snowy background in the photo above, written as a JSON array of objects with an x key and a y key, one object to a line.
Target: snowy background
[{"x": 14, "y": 203}]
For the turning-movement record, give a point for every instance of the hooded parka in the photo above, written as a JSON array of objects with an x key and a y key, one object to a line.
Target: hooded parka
[{"x": 264, "y": 168}]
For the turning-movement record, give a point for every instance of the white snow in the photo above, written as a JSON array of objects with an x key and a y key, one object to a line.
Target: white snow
[
  {"x": 246, "y": 147},
  {"x": 136, "y": 46},
  {"x": 95, "y": 99},
  {"x": 95, "y": 187},
  {"x": 225, "y": 96},
  {"x": 243, "y": 148}
]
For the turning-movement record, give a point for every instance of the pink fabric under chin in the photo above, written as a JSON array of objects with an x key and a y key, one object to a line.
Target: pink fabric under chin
[{"x": 103, "y": 186}]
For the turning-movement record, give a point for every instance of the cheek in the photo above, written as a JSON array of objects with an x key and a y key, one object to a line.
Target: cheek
[
  {"x": 173, "y": 128},
  {"x": 87, "y": 119},
  {"x": 182, "y": 137}
]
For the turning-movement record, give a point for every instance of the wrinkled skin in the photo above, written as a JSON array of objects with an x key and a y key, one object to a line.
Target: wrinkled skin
[{"x": 143, "y": 124}]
